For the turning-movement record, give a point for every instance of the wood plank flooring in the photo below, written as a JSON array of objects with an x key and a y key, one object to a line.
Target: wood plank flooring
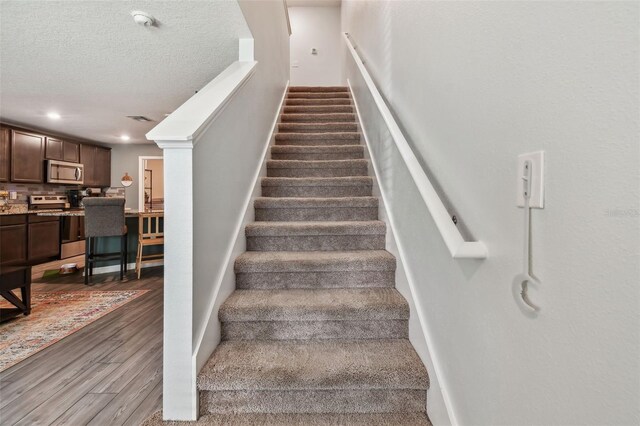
[{"x": 108, "y": 373}]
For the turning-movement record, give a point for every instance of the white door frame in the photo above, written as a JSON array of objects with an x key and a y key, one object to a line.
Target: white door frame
[{"x": 141, "y": 160}]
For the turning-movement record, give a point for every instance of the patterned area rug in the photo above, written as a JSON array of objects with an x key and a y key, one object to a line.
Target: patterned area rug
[{"x": 55, "y": 315}]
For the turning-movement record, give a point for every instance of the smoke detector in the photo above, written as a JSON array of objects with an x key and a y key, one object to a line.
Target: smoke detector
[{"x": 143, "y": 18}]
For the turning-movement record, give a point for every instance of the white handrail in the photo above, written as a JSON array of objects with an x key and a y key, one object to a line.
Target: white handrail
[{"x": 458, "y": 247}]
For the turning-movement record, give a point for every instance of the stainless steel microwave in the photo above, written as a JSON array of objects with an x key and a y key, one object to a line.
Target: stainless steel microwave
[{"x": 65, "y": 172}]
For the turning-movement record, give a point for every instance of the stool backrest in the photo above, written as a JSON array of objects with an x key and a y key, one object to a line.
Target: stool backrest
[
  {"x": 150, "y": 226},
  {"x": 103, "y": 217}
]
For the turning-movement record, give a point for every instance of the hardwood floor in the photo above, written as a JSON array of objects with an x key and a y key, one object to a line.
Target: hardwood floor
[{"x": 108, "y": 373}]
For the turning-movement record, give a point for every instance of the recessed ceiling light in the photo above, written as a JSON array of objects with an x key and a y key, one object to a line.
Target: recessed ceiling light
[
  {"x": 53, "y": 115},
  {"x": 125, "y": 137}
]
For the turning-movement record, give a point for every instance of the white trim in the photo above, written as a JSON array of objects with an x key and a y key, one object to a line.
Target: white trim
[
  {"x": 431, "y": 359},
  {"x": 200, "y": 356},
  {"x": 141, "y": 160},
  {"x": 131, "y": 266},
  {"x": 458, "y": 247}
]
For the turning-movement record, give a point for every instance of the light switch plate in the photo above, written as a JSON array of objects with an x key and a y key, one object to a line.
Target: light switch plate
[{"x": 537, "y": 179}]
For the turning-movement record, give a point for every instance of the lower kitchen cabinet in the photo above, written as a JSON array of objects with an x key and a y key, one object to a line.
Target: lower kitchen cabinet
[
  {"x": 13, "y": 239},
  {"x": 43, "y": 238},
  {"x": 28, "y": 239}
]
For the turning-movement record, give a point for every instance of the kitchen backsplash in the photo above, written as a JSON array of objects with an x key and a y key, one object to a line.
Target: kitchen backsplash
[{"x": 26, "y": 189}]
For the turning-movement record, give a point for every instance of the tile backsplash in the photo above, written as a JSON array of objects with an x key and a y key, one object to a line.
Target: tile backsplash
[{"x": 26, "y": 189}]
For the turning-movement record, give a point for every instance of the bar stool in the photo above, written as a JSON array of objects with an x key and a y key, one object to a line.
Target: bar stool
[{"x": 104, "y": 217}]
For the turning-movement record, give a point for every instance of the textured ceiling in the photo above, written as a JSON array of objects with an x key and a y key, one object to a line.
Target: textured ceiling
[{"x": 90, "y": 62}]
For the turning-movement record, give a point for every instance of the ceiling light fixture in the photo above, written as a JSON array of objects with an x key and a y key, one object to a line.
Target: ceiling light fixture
[
  {"x": 53, "y": 115},
  {"x": 125, "y": 137},
  {"x": 143, "y": 18}
]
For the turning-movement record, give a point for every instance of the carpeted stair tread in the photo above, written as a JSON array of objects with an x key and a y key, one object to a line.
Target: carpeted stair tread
[
  {"x": 310, "y": 364},
  {"x": 348, "y": 186},
  {"x": 318, "y": 109},
  {"x": 317, "y": 152},
  {"x": 316, "y": 118},
  {"x": 326, "y": 261},
  {"x": 317, "y": 95},
  {"x": 335, "y": 181},
  {"x": 343, "y": 304},
  {"x": 302, "y": 101},
  {"x": 317, "y": 164},
  {"x": 323, "y": 127},
  {"x": 318, "y": 89},
  {"x": 349, "y": 136},
  {"x": 333, "y": 202},
  {"x": 298, "y": 419},
  {"x": 276, "y": 229}
]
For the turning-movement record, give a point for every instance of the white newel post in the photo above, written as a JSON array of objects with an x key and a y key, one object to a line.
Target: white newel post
[{"x": 179, "y": 392}]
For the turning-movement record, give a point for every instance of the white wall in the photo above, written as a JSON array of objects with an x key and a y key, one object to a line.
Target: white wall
[
  {"x": 124, "y": 158},
  {"x": 474, "y": 84},
  {"x": 226, "y": 161},
  {"x": 315, "y": 27}
]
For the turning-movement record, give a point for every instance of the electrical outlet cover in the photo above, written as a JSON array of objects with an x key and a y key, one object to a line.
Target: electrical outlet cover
[{"x": 537, "y": 179}]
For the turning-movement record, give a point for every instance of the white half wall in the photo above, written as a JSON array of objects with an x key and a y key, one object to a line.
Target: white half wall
[
  {"x": 226, "y": 160},
  {"x": 474, "y": 84},
  {"x": 319, "y": 28}
]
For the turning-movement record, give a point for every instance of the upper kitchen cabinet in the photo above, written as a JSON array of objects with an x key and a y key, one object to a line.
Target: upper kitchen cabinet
[
  {"x": 53, "y": 150},
  {"x": 71, "y": 152},
  {"x": 102, "y": 171},
  {"x": 5, "y": 149},
  {"x": 27, "y": 155},
  {"x": 57, "y": 149},
  {"x": 97, "y": 165}
]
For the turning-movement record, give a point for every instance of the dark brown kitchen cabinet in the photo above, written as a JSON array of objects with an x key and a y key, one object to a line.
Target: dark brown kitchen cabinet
[
  {"x": 97, "y": 165},
  {"x": 62, "y": 150},
  {"x": 88, "y": 158},
  {"x": 54, "y": 149},
  {"x": 43, "y": 238},
  {"x": 13, "y": 239},
  {"x": 27, "y": 155},
  {"x": 71, "y": 152},
  {"x": 102, "y": 166},
  {"x": 5, "y": 159}
]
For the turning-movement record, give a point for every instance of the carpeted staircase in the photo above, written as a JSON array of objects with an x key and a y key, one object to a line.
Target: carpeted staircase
[{"x": 315, "y": 333}]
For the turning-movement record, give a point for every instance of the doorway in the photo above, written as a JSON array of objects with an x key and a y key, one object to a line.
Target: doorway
[{"x": 150, "y": 183}]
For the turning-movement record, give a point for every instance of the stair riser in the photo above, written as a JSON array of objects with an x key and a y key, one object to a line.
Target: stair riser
[
  {"x": 316, "y": 242},
  {"x": 317, "y": 191},
  {"x": 314, "y": 401},
  {"x": 295, "y": 102},
  {"x": 305, "y": 330},
  {"x": 317, "y": 95},
  {"x": 316, "y": 128},
  {"x": 318, "y": 156},
  {"x": 328, "y": 109},
  {"x": 315, "y": 142},
  {"x": 332, "y": 89},
  {"x": 318, "y": 118},
  {"x": 311, "y": 280},
  {"x": 316, "y": 214},
  {"x": 316, "y": 172}
]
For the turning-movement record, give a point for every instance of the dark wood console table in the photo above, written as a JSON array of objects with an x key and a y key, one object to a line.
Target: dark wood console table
[{"x": 12, "y": 278}]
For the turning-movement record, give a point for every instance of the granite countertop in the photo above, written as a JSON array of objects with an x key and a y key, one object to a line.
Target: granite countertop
[
  {"x": 128, "y": 213},
  {"x": 23, "y": 209}
]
